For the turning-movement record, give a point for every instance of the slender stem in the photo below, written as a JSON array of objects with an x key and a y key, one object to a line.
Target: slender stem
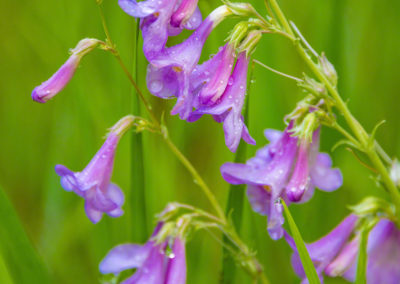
[
  {"x": 355, "y": 126},
  {"x": 197, "y": 178},
  {"x": 277, "y": 72}
]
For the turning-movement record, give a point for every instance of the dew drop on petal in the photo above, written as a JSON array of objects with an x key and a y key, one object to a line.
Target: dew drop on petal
[{"x": 230, "y": 82}]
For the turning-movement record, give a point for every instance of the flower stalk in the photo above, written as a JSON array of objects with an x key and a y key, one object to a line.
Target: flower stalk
[{"x": 360, "y": 133}]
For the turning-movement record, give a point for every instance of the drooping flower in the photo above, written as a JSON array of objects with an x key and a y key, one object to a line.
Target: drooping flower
[
  {"x": 160, "y": 19},
  {"x": 93, "y": 182},
  {"x": 154, "y": 263},
  {"x": 60, "y": 79},
  {"x": 336, "y": 253},
  {"x": 283, "y": 169},
  {"x": 169, "y": 72},
  {"x": 227, "y": 106}
]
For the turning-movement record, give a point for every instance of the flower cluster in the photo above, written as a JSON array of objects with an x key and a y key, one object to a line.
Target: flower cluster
[
  {"x": 208, "y": 88},
  {"x": 289, "y": 168}
]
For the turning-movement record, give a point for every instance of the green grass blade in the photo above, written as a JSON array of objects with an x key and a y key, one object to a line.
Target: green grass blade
[
  {"x": 22, "y": 261},
  {"x": 308, "y": 265},
  {"x": 361, "y": 276},
  {"x": 137, "y": 192}
]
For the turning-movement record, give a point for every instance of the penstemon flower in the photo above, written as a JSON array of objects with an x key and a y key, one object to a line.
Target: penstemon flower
[
  {"x": 160, "y": 19},
  {"x": 336, "y": 253},
  {"x": 155, "y": 263},
  {"x": 169, "y": 72},
  {"x": 93, "y": 183},
  {"x": 227, "y": 107},
  {"x": 60, "y": 79},
  {"x": 283, "y": 169}
]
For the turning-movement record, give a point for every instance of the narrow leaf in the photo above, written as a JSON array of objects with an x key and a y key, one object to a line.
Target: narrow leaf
[
  {"x": 361, "y": 277},
  {"x": 308, "y": 265},
  {"x": 20, "y": 258},
  {"x": 137, "y": 193}
]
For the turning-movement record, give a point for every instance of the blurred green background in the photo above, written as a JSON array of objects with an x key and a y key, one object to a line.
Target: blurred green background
[{"x": 361, "y": 38}]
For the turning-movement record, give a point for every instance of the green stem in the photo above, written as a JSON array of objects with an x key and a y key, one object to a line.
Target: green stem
[{"x": 354, "y": 125}]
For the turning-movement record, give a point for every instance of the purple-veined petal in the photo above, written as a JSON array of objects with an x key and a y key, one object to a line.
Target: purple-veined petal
[
  {"x": 124, "y": 257},
  {"x": 323, "y": 176}
]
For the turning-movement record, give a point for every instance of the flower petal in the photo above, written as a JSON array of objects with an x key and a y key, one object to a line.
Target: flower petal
[
  {"x": 176, "y": 270},
  {"x": 138, "y": 10},
  {"x": 323, "y": 176},
  {"x": 93, "y": 214},
  {"x": 124, "y": 257}
]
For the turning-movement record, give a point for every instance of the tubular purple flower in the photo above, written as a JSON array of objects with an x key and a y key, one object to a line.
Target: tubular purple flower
[
  {"x": 323, "y": 251},
  {"x": 161, "y": 18},
  {"x": 336, "y": 253},
  {"x": 283, "y": 169},
  {"x": 215, "y": 87},
  {"x": 154, "y": 265},
  {"x": 228, "y": 107},
  {"x": 93, "y": 183},
  {"x": 169, "y": 71},
  {"x": 61, "y": 78},
  {"x": 187, "y": 15}
]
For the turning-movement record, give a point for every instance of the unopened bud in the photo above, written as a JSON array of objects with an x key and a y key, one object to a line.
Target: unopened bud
[
  {"x": 373, "y": 206},
  {"x": 328, "y": 69},
  {"x": 60, "y": 79},
  {"x": 395, "y": 172},
  {"x": 306, "y": 128},
  {"x": 240, "y": 9},
  {"x": 249, "y": 44}
]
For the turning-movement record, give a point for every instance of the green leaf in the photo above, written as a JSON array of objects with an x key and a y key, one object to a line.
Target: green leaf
[
  {"x": 308, "y": 265},
  {"x": 20, "y": 258}
]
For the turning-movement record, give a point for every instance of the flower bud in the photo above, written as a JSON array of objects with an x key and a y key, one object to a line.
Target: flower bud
[
  {"x": 241, "y": 9},
  {"x": 122, "y": 125},
  {"x": 307, "y": 127},
  {"x": 249, "y": 44},
  {"x": 372, "y": 206},
  {"x": 395, "y": 172},
  {"x": 328, "y": 69},
  {"x": 60, "y": 79}
]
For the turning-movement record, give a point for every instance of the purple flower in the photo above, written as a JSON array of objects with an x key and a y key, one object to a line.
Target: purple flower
[
  {"x": 169, "y": 71},
  {"x": 227, "y": 107},
  {"x": 60, "y": 79},
  {"x": 93, "y": 183},
  {"x": 323, "y": 251},
  {"x": 154, "y": 265},
  {"x": 161, "y": 18},
  {"x": 283, "y": 169},
  {"x": 336, "y": 253}
]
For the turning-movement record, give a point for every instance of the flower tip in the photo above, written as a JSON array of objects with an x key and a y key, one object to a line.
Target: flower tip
[
  {"x": 37, "y": 97},
  {"x": 123, "y": 125},
  {"x": 294, "y": 194}
]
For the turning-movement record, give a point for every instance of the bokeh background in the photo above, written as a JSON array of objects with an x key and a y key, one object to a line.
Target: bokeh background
[{"x": 361, "y": 38}]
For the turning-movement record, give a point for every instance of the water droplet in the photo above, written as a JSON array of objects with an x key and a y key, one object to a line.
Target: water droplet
[
  {"x": 155, "y": 86},
  {"x": 104, "y": 156},
  {"x": 221, "y": 82},
  {"x": 230, "y": 82},
  {"x": 241, "y": 87},
  {"x": 229, "y": 97},
  {"x": 171, "y": 255}
]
